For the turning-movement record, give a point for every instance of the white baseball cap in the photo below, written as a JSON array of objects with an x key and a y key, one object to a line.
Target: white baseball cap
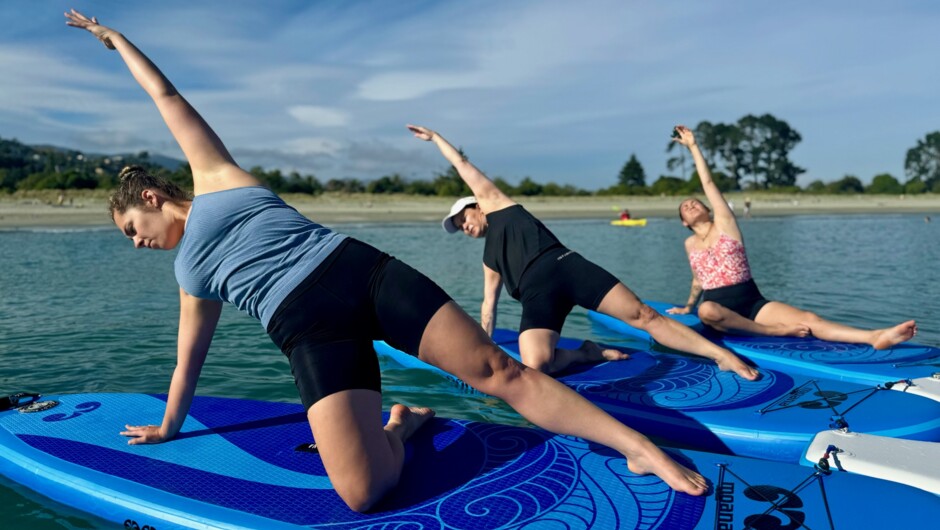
[{"x": 448, "y": 222}]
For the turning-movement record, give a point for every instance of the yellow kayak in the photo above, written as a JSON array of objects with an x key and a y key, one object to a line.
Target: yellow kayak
[{"x": 629, "y": 222}]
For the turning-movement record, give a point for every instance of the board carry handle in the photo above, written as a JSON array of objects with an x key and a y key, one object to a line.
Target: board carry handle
[{"x": 16, "y": 400}]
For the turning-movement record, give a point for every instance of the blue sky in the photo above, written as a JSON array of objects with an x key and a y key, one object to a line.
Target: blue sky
[{"x": 558, "y": 91}]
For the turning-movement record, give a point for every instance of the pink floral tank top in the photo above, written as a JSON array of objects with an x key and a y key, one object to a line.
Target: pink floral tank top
[{"x": 722, "y": 264}]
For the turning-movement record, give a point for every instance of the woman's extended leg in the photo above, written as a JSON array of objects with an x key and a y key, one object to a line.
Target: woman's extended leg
[
  {"x": 621, "y": 303},
  {"x": 362, "y": 459},
  {"x": 455, "y": 343},
  {"x": 778, "y": 312},
  {"x": 539, "y": 350},
  {"x": 723, "y": 319}
]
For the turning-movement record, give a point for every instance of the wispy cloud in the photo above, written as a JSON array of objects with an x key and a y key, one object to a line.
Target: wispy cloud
[{"x": 318, "y": 116}]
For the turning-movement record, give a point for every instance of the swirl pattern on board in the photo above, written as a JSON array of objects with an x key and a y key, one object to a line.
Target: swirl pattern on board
[
  {"x": 688, "y": 384},
  {"x": 820, "y": 351}
]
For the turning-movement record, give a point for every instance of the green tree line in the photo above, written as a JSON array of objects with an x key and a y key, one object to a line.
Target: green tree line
[
  {"x": 750, "y": 154},
  {"x": 754, "y": 154}
]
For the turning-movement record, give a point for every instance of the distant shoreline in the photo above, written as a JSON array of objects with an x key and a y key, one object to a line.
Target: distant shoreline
[{"x": 90, "y": 208}]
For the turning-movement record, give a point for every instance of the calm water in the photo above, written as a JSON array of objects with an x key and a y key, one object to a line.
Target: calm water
[{"x": 82, "y": 311}]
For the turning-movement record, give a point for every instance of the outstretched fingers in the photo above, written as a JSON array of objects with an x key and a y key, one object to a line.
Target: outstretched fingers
[
  {"x": 78, "y": 20},
  {"x": 143, "y": 434},
  {"x": 74, "y": 18},
  {"x": 421, "y": 133}
]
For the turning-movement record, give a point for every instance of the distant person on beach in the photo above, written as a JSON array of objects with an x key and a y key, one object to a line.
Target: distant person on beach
[
  {"x": 720, "y": 270},
  {"x": 549, "y": 279},
  {"x": 747, "y": 207},
  {"x": 323, "y": 297}
]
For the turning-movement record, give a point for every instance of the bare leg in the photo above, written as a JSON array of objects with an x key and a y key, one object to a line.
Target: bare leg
[
  {"x": 724, "y": 319},
  {"x": 539, "y": 350},
  {"x": 455, "y": 343},
  {"x": 362, "y": 459},
  {"x": 827, "y": 330},
  {"x": 621, "y": 303}
]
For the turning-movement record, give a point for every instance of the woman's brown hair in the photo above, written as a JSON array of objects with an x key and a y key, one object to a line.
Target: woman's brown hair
[{"x": 134, "y": 180}]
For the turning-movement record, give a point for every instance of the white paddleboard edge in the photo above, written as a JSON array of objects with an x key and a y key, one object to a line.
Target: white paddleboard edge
[{"x": 910, "y": 462}]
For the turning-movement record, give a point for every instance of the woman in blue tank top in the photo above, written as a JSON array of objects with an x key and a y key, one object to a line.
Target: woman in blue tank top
[
  {"x": 225, "y": 235},
  {"x": 549, "y": 280}
]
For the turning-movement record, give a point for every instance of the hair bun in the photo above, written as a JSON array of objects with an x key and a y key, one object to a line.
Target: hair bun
[{"x": 130, "y": 172}]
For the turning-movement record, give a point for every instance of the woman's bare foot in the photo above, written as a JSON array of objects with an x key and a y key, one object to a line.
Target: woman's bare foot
[
  {"x": 404, "y": 421},
  {"x": 885, "y": 338},
  {"x": 595, "y": 354},
  {"x": 732, "y": 363},
  {"x": 651, "y": 459}
]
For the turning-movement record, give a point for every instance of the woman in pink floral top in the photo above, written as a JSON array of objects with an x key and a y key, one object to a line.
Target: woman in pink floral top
[{"x": 720, "y": 270}]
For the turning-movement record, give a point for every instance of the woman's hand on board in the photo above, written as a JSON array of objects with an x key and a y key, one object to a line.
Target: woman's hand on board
[{"x": 144, "y": 434}]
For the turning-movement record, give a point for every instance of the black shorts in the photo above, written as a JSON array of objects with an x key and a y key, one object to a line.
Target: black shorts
[
  {"x": 742, "y": 298},
  {"x": 327, "y": 324},
  {"x": 556, "y": 282}
]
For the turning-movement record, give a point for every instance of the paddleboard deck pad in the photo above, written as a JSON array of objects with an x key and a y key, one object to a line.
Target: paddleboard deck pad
[
  {"x": 689, "y": 401},
  {"x": 907, "y": 367},
  {"x": 908, "y": 462},
  {"x": 235, "y": 464}
]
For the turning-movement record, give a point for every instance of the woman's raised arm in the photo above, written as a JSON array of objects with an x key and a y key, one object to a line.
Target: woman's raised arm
[
  {"x": 207, "y": 156},
  {"x": 487, "y": 194},
  {"x": 723, "y": 214}
]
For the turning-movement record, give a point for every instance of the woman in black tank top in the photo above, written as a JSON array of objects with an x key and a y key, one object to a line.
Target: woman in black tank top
[{"x": 550, "y": 280}]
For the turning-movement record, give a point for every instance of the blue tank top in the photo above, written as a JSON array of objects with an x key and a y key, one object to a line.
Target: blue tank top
[{"x": 246, "y": 246}]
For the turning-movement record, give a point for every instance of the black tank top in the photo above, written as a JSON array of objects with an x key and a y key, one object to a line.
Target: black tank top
[{"x": 514, "y": 239}]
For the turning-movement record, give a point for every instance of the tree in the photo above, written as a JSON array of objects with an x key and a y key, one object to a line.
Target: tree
[
  {"x": 923, "y": 161},
  {"x": 847, "y": 184},
  {"x": 504, "y": 186},
  {"x": 345, "y": 186},
  {"x": 298, "y": 184},
  {"x": 387, "y": 184},
  {"x": 449, "y": 184},
  {"x": 724, "y": 182},
  {"x": 766, "y": 145},
  {"x": 724, "y": 141},
  {"x": 420, "y": 187},
  {"x": 816, "y": 186},
  {"x": 885, "y": 184},
  {"x": 915, "y": 186},
  {"x": 677, "y": 161},
  {"x": 667, "y": 185},
  {"x": 632, "y": 173},
  {"x": 529, "y": 187}
]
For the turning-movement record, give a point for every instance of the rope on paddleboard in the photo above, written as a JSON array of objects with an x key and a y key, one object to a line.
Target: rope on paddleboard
[
  {"x": 837, "y": 420},
  {"x": 17, "y": 400},
  {"x": 816, "y": 475}
]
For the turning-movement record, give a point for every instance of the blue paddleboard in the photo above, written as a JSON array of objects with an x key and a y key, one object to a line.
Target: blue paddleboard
[
  {"x": 235, "y": 465},
  {"x": 907, "y": 367},
  {"x": 688, "y": 400}
]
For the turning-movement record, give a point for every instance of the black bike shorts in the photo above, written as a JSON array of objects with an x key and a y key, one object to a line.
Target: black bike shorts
[{"x": 327, "y": 324}]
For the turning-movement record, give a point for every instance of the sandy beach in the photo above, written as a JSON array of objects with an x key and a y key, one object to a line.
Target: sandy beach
[{"x": 90, "y": 208}]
